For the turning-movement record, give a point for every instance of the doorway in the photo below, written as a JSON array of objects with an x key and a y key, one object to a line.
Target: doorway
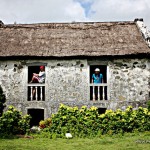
[
  {"x": 101, "y": 110},
  {"x": 37, "y": 115}
]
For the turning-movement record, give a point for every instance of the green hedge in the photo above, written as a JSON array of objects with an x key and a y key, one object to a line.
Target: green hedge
[
  {"x": 86, "y": 122},
  {"x": 13, "y": 122}
]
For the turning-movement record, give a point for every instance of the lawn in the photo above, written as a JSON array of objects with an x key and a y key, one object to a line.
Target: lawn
[{"x": 130, "y": 141}]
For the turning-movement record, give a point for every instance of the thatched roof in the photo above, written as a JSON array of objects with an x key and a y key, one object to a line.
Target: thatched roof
[{"x": 72, "y": 39}]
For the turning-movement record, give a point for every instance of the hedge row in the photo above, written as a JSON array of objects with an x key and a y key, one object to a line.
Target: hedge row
[{"x": 86, "y": 122}]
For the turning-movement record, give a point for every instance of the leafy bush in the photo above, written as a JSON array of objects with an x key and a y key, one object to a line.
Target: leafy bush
[
  {"x": 13, "y": 122},
  {"x": 2, "y": 101},
  {"x": 81, "y": 122},
  {"x": 45, "y": 123},
  {"x": 86, "y": 122}
]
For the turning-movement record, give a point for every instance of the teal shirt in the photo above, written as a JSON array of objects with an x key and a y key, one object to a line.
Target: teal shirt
[{"x": 97, "y": 78}]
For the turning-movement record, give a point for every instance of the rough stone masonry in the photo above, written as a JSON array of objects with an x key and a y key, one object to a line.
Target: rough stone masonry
[{"x": 67, "y": 81}]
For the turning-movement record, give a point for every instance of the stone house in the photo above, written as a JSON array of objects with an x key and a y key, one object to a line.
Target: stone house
[{"x": 70, "y": 52}]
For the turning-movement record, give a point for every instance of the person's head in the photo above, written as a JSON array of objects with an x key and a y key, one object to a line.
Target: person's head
[
  {"x": 97, "y": 71},
  {"x": 42, "y": 68}
]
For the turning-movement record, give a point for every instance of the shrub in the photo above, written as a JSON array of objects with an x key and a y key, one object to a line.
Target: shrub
[
  {"x": 2, "y": 101},
  {"x": 45, "y": 123},
  {"x": 86, "y": 122},
  {"x": 13, "y": 122},
  {"x": 80, "y": 122}
]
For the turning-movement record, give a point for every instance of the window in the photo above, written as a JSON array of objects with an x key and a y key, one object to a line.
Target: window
[
  {"x": 101, "y": 110},
  {"x": 36, "y": 82},
  {"x": 34, "y": 69},
  {"x": 98, "y": 82}
]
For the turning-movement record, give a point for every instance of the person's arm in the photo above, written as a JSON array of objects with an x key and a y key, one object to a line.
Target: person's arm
[
  {"x": 92, "y": 79},
  {"x": 35, "y": 74}
]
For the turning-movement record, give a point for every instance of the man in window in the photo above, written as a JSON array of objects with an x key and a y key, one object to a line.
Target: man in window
[{"x": 97, "y": 78}]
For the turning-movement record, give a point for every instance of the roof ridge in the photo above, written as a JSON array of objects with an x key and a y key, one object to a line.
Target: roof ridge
[{"x": 37, "y": 25}]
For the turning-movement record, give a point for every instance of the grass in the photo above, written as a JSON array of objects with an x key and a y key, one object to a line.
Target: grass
[{"x": 130, "y": 141}]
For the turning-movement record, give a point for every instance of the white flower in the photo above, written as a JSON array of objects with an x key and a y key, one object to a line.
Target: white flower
[{"x": 68, "y": 135}]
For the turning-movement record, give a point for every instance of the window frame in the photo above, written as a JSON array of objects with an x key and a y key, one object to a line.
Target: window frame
[
  {"x": 99, "y": 63},
  {"x": 36, "y": 84}
]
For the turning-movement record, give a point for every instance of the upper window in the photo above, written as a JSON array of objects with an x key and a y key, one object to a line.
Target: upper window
[
  {"x": 36, "y": 82},
  {"x": 98, "y": 82},
  {"x": 36, "y": 74},
  {"x": 98, "y": 74}
]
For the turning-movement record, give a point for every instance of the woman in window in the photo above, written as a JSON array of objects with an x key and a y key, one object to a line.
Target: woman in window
[{"x": 39, "y": 78}]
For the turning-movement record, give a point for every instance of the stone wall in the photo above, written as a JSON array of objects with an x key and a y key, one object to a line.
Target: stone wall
[
  {"x": 67, "y": 81},
  {"x": 130, "y": 82}
]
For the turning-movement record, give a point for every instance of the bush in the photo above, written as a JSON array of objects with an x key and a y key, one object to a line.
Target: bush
[
  {"x": 80, "y": 123},
  {"x": 86, "y": 122},
  {"x": 45, "y": 123},
  {"x": 2, "y": 101},
  {"x": 13, "y": 122}
]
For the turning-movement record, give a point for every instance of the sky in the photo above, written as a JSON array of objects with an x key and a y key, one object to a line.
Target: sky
[{"x": 45, "y": 11}]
